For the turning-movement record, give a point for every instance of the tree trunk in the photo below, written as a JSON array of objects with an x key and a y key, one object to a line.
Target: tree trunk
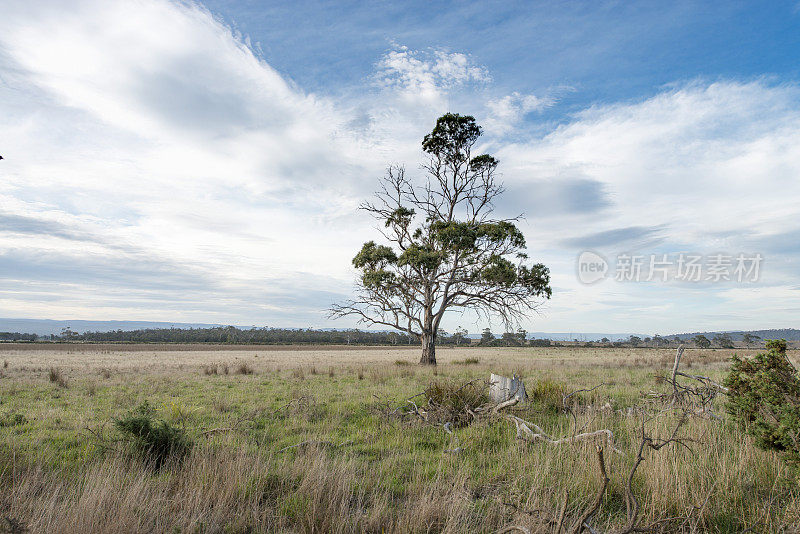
[{"x": 428, "y": 349}]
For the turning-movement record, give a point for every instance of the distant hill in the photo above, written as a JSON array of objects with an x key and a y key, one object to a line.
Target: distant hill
[
  {"x": 789, "y": 334},
  {"x": 580, "y": 336}
]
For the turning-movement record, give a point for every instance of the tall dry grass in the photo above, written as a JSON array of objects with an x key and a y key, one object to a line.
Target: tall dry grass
[
  {"x": 224, "y": 487},
  {"x": 226, "y": 491}
]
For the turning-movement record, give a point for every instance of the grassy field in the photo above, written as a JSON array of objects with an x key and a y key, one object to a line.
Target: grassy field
[{"x": 305, "y": 439}]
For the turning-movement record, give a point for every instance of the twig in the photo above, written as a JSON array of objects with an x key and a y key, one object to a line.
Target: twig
[
  {"x": 631, "y": 502},
  {"x": 571, "y": 412},
  {"x": 598, "y": 500},
  {"x": 422, "y": 414},
  {"x": 562, "y": 513}
]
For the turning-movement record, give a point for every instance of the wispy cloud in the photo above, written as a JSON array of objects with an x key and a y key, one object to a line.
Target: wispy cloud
[
  {"x": 623, "y": 238},
  {"x": 505, "y": 114}
]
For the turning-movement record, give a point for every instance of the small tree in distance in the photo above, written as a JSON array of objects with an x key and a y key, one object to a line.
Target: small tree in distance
[
  {"x": 724, "y": 341},
  {"x": 702, "y": 341},
  {"x": 750, "y": 339},
  {"x": 486, "y": 336},
  {"x": 445, "y": 250}
]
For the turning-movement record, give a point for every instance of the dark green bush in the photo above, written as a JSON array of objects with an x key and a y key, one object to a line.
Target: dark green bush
[
  {"x": 157, "y": 440},
  {"x": 764, "y": 399}
]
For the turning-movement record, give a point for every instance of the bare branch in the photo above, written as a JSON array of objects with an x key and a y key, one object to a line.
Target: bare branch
[{"x": 598, "y": 500}]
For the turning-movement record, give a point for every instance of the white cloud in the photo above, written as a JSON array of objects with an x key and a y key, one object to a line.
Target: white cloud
[
  {"x": 428, "y": 76},
  {"x": 701, "y": 160},
  {"x": 700, "y": 167},
  {"x": 150, "y": 126}
]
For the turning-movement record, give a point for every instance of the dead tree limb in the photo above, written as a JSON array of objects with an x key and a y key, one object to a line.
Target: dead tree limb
[
  {"x": 678, "y": 356},
  {"x": 647, "y": 442},
  {"x": 505, "y": 404},
  {"x": 699, "y": 397},
  {"x": 562, "y": 513},
  {"x": 524, "y": 432}
]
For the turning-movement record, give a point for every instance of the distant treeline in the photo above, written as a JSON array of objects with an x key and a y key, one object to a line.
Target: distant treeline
[
  {"x": 789, "y": 334},
  {"x": 276, "y": 336},
  {"x": 17, "y": 336},
  {"x": 292, "y": 336},
  {"x": 233, "y": 335}
]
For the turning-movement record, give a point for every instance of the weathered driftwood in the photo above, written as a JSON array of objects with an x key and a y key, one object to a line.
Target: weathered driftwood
[
  {"x": 502, "y": 388},
  {"x": 526, "y": 433}
]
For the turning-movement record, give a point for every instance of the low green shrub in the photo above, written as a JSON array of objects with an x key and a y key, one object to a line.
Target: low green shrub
[
  {"x": 764, "y": 399},
  {"x": 155, "y": 439}
]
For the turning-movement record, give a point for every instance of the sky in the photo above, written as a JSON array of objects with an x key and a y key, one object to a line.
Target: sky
[{"x": 204, "y": 162}]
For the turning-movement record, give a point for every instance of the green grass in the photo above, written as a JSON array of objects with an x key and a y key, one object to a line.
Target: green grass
[{"x": 374, "y": 469}]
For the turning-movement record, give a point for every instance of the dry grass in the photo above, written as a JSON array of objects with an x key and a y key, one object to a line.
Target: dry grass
[
  {"x": 363, "y": 470},
  {"x": 239, "y": 493},
  {"x": 177, "y": 359},
  {"x": 57, "y": 376},
  {"x": 244, "y": 368}
]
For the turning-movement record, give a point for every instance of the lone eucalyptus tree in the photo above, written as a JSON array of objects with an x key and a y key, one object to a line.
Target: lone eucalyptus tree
[{"x": 445, "y": 251}]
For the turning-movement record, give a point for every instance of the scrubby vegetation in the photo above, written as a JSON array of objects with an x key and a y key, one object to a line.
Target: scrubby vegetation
[
  {"x": 765, "y": 399},
  {"x": 156, "y": 440},
  {"x": 452, "y": 401}
]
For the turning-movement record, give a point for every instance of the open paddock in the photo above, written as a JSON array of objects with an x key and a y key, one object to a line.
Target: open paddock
[{"x": 320, "y": 439}]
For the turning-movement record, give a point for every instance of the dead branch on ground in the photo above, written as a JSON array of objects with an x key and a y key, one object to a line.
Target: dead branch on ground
[{"x": 699, "y": 397}]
